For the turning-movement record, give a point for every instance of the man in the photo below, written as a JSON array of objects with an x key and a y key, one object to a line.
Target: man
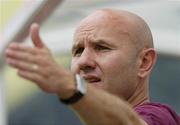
[{"x": 113, "y": 52}]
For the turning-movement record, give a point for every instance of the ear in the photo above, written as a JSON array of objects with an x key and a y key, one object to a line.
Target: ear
[{"x": 147, "y": 60}]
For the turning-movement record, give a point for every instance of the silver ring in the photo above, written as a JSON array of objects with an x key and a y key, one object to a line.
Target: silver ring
[{"x": 35, "y": 67}]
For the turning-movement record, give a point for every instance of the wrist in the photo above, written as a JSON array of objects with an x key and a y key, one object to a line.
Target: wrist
[
  {"x": 79, "y": 92},
  {"x": 70, "y": 88}
]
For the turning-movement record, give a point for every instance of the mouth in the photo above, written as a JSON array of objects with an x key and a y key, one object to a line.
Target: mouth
[{"x": 92, "y": 79}]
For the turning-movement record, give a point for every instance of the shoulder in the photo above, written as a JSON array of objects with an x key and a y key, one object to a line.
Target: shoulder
[{"x": 157, "y": 114}]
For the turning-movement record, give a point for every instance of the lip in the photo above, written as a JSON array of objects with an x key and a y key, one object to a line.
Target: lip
[{"x": 91, "y": 78}]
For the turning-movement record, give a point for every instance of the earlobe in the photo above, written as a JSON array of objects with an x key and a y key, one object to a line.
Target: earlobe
[{"x": 148, "y": 59}]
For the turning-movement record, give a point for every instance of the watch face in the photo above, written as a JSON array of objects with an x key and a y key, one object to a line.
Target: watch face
[{"x": 81, "y": 85}]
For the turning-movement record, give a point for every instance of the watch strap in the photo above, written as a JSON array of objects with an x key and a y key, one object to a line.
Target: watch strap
[
  {"x": 80, "y": 91},
  {"x": 73, "y": 99}
]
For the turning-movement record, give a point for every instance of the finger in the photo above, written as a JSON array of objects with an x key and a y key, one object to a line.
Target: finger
[
  {"x": 31, "y": 67},
  {"x": 37, "y": 79},
  {"x": 20, "y": 65},
  {"x": 32, "y": 76},
  {"x": 23, "y": 48},
  {"x": 34, "y": 32},
  {"x": 21, "y": 56}
]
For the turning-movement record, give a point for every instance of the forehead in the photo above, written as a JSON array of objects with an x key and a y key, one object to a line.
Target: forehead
[
  {"x": 106, "y": 26},
  {"x": 95, "y": 35},
  {"x": 99, "y": 20},
  {"x": 101, "y": 30}
]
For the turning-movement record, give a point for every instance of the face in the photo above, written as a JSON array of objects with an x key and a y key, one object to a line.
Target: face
[{"x": 105, "y": 57}]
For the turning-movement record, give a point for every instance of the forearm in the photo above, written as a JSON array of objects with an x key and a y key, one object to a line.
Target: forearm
[{"x": 98, "y": 107}]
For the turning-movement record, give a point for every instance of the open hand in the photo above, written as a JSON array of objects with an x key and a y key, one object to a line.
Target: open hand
[{"x": 38, "y": 65}]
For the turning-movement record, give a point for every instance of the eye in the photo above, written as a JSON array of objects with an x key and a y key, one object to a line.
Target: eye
[
  {"x": 78, "y": 51},
  {"x": 101, "y": 48}
]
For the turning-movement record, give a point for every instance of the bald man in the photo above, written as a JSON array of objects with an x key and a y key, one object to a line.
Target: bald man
[{"x": 112, "y": 59}]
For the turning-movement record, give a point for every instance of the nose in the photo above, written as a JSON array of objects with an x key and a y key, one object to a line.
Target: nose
[{"x": 86, "y": 61}]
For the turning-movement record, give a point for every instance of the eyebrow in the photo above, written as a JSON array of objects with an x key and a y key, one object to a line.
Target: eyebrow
[
  {"x": 99, "y": 41},
  {"x": 102, "y": 42}
]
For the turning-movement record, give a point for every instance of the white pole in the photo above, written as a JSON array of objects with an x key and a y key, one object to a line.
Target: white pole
[
  {"x": 3, "y": 120},
  {"x": 38, "y": 13}
]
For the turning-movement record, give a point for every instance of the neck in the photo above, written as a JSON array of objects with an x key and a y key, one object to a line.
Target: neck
[{"x": 140, "y": 95}]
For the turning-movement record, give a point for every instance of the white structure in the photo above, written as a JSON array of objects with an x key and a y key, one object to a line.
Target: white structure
[{"x": 17, "y": 30}]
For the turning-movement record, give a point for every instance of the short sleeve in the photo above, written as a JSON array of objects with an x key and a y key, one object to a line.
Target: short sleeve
[{"x": 157, "y": 114}]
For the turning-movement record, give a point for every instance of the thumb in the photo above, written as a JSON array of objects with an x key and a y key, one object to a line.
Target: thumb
[{"x": 34, "y": 32}]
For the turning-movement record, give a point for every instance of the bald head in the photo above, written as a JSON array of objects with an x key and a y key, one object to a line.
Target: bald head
[
  {"x": 124, "y": 22},
  {"x": 116, "y": 46}
]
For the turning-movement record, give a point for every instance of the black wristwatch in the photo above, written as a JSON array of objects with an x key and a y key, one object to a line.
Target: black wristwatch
[{"x": 81, "y": 89}]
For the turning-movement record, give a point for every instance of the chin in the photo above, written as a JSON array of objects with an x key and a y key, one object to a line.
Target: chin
[{"x": 98, "y": 85}]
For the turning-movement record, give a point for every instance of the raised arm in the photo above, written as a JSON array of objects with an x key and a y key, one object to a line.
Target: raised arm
[{"x": 97, "y": 107}]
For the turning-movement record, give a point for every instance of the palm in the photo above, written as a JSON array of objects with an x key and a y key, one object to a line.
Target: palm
[{"x": 37, "y": 64}]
